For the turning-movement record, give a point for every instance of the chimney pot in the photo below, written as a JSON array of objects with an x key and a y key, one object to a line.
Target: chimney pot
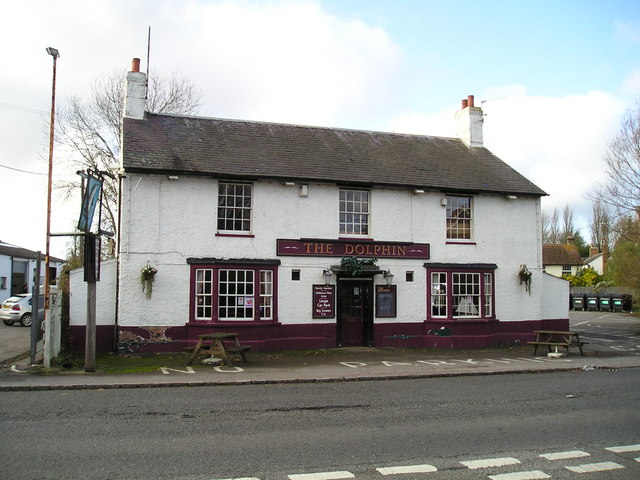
[
  {"x": 135, "y": 65},
  {"x": 465, "y": 103},
  {"x": 470, "y": 100}
]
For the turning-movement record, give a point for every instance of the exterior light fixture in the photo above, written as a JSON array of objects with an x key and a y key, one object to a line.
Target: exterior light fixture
[
  {"x": 327, "y": 275},
  {"x": 511, "y": 197},
  {"x": 418, "y": 191},
  {"x": 388, "y": 276},
  {"x": 173, "y": 178},
  {"x": 443, "y": 201}
]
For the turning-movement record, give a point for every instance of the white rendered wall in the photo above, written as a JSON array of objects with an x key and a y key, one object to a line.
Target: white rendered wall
[
  {"x": 165, "y": 222},
  {"x": 105, "y": 295}
]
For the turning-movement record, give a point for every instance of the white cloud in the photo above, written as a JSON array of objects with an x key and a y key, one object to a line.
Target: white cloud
[{"x": 557, "y": 143}]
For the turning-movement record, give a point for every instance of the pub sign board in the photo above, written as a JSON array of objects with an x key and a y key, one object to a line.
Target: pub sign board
[
  {"x": 324, "y": 297},
  {"x": 386, "y": 300},
  {"x": 351, "y": 248}
]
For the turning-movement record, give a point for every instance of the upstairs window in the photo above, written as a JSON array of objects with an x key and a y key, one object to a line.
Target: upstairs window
[
  {"x": 234, "y": 207},
  {"x": 459, "y": 218},
  {"x": 354, "y": 212}
]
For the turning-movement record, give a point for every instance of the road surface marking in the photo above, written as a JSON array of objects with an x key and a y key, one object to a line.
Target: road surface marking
[
  {"x": 532, "y": 475},
  {"x": 491, "y": 462},
  {"x": 595, "y": 467},
  {"x": 624, "y": 448},
  {"x": 322, "y": 476},
  {"x": 407, "y": 469},
  {"x": 565, "y": 455}
]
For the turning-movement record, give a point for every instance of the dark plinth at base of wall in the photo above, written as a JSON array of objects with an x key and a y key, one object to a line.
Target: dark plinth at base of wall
[{"x": 277, "y": 337}]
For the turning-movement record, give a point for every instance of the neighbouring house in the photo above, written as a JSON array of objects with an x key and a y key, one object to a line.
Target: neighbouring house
[
  {"x": 18, "y": 270},
  {"x": 597, "y": 259},
  {"x": 300, "y": 237},
  {"x": 561, "y": 259}
]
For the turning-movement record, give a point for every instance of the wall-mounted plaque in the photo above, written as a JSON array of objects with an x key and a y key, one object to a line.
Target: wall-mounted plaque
[
  {"x": 386, "y": 300},
  {"x": 324, "y": 297}
]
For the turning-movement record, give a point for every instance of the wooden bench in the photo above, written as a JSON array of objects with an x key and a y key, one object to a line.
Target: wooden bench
[
  {"x": 553, "y": 338},
  {"x": 213, "y": 344}
]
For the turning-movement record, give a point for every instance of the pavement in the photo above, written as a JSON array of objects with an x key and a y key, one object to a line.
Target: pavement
[{"x": 333, "y": 365}]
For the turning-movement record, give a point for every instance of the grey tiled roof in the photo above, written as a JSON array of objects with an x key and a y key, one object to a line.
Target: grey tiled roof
[
  {"x": 259, "y": 150},
  {"x": 9, "y": 250}
]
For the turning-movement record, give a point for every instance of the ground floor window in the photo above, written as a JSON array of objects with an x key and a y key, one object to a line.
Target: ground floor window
[
  {"x": 458, "y": 292},
  {"x": 224, "y": 292}
]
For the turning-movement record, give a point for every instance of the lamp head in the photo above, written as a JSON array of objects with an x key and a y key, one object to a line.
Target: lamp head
[{"x": 53, "y": 52}]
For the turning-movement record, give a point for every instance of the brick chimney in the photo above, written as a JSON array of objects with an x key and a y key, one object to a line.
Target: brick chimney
[
  {"x": 468, "y": 122},
  {"x": 571, "y": 241},
  {"x": 135, "y": 92},
  {"x": 593, "y": 251}
]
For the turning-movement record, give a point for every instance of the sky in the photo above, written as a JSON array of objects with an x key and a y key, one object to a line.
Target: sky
[{"x": 554, "y": 79}]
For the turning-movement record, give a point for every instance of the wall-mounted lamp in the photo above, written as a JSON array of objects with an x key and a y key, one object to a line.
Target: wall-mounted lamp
[
  {"x": 173, "y": 178},
  {"x": 327, "y": 275},
  {"x": 304, "y": 191},
  {"x": 511, "y": 197},
  {"x": 443, "y": 201},
  {"x": 418, "y": 191},
  {"x": 289, "y": 184},
  {"x": 388, "y": 276}
]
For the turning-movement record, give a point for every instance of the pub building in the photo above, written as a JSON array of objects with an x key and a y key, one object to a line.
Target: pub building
[{"x": 299, "y": 237}]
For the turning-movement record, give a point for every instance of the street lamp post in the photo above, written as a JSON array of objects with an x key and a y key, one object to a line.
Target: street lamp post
[{"x": 55, "y": 54}]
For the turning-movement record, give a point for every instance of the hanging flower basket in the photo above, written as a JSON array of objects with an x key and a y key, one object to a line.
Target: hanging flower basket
[
  {"x": 355, "y": 265},
  {"x": 147, "y": 276},
  {"x": 525, "y": 277}
]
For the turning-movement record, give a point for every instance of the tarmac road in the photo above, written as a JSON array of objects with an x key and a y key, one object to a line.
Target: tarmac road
[{"x": 14, "y": 341}]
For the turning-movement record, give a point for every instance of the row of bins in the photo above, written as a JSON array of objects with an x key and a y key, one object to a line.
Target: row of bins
[{"x": 604, "y": 302}]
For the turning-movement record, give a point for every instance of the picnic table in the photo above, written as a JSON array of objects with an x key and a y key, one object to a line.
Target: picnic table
[
  {"x": 214, "y": 344},
  {"x": 554, "y": 338}
]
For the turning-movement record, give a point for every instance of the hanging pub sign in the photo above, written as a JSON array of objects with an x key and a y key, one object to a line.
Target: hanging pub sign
[
  {"x": 351, "y": 248},
  {"x": 90, "y": 198},
  {"x": 324, "y": 301}
]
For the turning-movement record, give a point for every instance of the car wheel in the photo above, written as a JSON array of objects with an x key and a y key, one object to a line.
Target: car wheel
[
  {"x": 7, "y": 322},
  {"x": 26, "y": 320}
]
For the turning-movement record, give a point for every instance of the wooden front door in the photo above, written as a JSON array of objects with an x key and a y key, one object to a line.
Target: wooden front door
[{"x": 355, "y": 313}]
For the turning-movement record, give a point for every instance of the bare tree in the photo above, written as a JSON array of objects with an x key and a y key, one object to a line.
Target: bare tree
[
  {"x": 89, "y": 129},
  {"x": 601, "y": 227},
  {"x": 567, "y": 229},
  {"x": 621, "y": 189}
]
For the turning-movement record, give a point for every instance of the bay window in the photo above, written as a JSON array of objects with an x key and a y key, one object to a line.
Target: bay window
[
  {"x": 233, "y": 291},
  {"x": 460, "y": 291}
]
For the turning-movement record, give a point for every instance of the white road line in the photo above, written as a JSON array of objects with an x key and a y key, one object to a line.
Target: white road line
[
  {"x": 565, "y": 455},
  {"x": 491, "y": 462},
  {"x": 595, "y": 467},
  {"x": 322, "y": 476},
  {"x": 531, "y": 475},
  {"x": 624, "y": 448},
  {"x": 407, "y": 469}
]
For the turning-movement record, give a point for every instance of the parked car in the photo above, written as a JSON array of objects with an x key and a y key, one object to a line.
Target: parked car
[{"x": 17, "y": 309}]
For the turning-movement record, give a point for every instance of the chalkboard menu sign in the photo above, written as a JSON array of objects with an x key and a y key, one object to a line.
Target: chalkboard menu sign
[
  {"x": 324, "y": 301},
  {"x": 386, "y": 300}
]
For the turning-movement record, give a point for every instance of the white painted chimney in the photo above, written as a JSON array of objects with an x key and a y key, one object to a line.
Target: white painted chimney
[
  {"x": 135, "y": 92},
  {"x": 469, "y": 123}
]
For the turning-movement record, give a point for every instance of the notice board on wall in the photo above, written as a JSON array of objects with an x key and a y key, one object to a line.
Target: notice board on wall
[
  {"x": 386, "y": 300},
  {"x": 324, "y": 297}
]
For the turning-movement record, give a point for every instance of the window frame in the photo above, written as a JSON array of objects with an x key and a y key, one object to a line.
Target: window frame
[
  {"x": 450, "y": 219},
  {"x": 444, "y": 275},
  {"x": 356, "y": 210},
  {"x": 235, "y": 208},
  {"x": 212, "y": 273}
]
